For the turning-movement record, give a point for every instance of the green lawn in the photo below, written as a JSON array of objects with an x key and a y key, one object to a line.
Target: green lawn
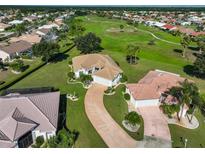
[
  {"x": 55, "y": 74},
  {"x": 160, "y": 56},
  {"x": 118, "y": 110}
]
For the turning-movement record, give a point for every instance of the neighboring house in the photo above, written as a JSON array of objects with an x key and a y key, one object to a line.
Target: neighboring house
[
  {"x": 30, "y": 18},
  {"x": 3, "y": 27},
  {"x": 50, "y": 25},
  {"x": 15, "y": 22},
  {"x": 25, "y": 117},
  {"x": 150, "y": 90},
  {"x": 102, "y": 68},
  {"x": 43, "y": 31},
  {"x": 169, "y": 27},
  {"x": 31, "y": 38},
  {"x": 14, "y": 49}
]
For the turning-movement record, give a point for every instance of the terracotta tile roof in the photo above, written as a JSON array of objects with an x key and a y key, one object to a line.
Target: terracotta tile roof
[
  {"x": 19, "y": 46},
  {"x": 108, "y": 68},
  {"x": 167, "y": 26},
  {"x": 22, "y": 113},
  {"x": 153, "y": 85}
]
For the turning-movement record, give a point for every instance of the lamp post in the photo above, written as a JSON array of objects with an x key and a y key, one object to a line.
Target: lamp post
[{"x": 185, "y": 142}]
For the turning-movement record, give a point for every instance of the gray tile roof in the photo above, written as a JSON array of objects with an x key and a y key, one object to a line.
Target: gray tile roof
[{"x": 22, "y": 113}]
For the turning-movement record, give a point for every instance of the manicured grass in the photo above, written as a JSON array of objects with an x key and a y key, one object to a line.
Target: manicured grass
[
  {"x": 196, "y": 137},
  {"x": 160, "y": 56},
  {"x": 7, "y": 76},
  {"x": 55, "y": 74},
  {"x": 117, "y": 108}
]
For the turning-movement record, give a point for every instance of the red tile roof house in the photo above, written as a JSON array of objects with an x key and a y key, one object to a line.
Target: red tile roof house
[
  {"x": 150, "y": 89},
  {"x": 25, "y": 117},
  {"x": 12, "y": 50},
  {"x": 168, "y": 27}
]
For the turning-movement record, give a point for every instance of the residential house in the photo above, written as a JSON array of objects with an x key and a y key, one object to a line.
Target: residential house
[
  {"x": 16, "y": 22},
  {"x": 32, "y": 38},
  {"x": 102, "y": 68},
  {"x": 25, "y": 117},
  {"x": 30, "y": 18},
  {"x": 12, "y": 50},
  {"x": 4, "y": 26},
  {"x": 151, "y": 89}
]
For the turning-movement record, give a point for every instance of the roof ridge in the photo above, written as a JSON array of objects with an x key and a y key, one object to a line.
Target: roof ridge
[{"x": 41, "y": 111}]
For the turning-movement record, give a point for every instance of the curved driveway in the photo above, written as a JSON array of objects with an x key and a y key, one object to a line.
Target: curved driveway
[{"x": 112, "y": 134}]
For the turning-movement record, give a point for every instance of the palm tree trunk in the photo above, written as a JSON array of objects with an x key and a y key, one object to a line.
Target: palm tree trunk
[
  {"x": 192, "y": 115},
  {"x": 184, "y": 52},
  {"x": 182, "y": 110}
]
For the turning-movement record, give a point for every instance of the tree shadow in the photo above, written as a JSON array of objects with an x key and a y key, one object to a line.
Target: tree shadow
[
  {"x": 178, "y": 51},
  {"x": 59, "y": 57},
  {"x": 193, "y": 48},
  {"x": 191, "y": 70},
  {"x": 62, "y": 117}
]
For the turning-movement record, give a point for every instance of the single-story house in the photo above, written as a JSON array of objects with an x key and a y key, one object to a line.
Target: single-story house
[
  {"x": 30, "y": 18},
  {"x": 3, "y": 26},
  {"x": 14, "y": 49},
  {"x": 15, "y": 22},
  {"x": 168, "y": 27},
  {"x": 24, "y": 117},
  {"x": 43, "y": 31},
  {"x": 31, "y": 38},
  {"x": 150, "y": 90},
  {"x": 102, "y": 68}
]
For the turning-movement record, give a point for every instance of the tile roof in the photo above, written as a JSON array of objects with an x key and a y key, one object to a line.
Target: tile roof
[
  {"x": 19, "y": 46},
  {"x": 108, "y": 68},
  {"x": 31, "y": 38},
  {"x": 153, "y": 85},
  {"x": 20, "y": 114}
]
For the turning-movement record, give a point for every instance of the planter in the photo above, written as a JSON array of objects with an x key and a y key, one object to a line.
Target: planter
[{"x": 130, "y": 127}]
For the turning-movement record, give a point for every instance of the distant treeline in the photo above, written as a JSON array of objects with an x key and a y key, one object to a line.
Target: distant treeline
[{"x": 106, "y": 8}]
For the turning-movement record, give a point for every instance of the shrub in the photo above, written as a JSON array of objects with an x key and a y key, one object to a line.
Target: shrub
[
  {"x": 86, "y": 79},
  {"x": 39, "y": 141},
  {"x": 2, "y": 82},
  {"x": 133, "y": 118},
  {"x": 123, "y": 78},
  {"x": 71, "y": 75},
  {"x": 127, "y": 96},
  {"x": 109, "y": 90},
  {"x": 18, "y": 65},
  {"x": 170, "y": 109},
  {"x": 70, "y": 62}
]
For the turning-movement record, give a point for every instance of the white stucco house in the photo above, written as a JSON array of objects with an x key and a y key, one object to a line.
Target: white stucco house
[
  {"x": 149, "y": 91},
  {"x": 24, "y": 117},
  {"x": 102, "y": 68}
]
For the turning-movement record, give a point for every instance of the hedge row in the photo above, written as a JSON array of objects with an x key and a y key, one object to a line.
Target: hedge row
[{"x": 9, "y": 84}]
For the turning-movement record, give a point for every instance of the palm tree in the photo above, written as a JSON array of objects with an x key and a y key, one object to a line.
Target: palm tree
[
  {"x": 185, "y": 41},
  {"x": 132, "y": 51},
  {"x": 186, "y": 94},
  {"x": 201, "y": 45}
]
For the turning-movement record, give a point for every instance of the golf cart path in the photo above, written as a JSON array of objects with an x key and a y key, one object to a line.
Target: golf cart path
[{"x": 112, "y": 134}]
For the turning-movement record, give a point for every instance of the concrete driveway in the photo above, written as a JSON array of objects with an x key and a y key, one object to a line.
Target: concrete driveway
[
  {"x": 155, "y": 124},
  {"x": 112, "y": 134}
]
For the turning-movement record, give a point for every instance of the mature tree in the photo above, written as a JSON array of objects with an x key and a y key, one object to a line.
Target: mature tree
[
  {"x": 186, "y": 93},
  {"x": 199, "y": 64},
  {"x": 185, "y": 41},
  {"x": 132, "y": 51},
  {"x": 17, "y": 65},
  {"x": 121, "y": 28},
  {"x": 88, "y": 43},
  {"x": 46, "y": 50},
  {"x": 201, "y": 45},
  {"x": 76, "y": 27},
  {"x": 20, "y": 28},
  {"x": 133, "y": 118}
]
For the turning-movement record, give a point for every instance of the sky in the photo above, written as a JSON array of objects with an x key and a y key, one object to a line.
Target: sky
[{"x": 102, "y": 2}]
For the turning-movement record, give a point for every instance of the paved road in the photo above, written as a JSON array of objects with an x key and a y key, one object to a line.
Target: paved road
[{"x": 112, "y": 134}]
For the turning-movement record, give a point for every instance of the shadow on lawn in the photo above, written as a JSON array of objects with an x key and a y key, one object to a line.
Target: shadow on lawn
[
  {"x": 60, "y": 57},
  {"x": 191, "y": 70},
  {"x": 62, "y": 117}
]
